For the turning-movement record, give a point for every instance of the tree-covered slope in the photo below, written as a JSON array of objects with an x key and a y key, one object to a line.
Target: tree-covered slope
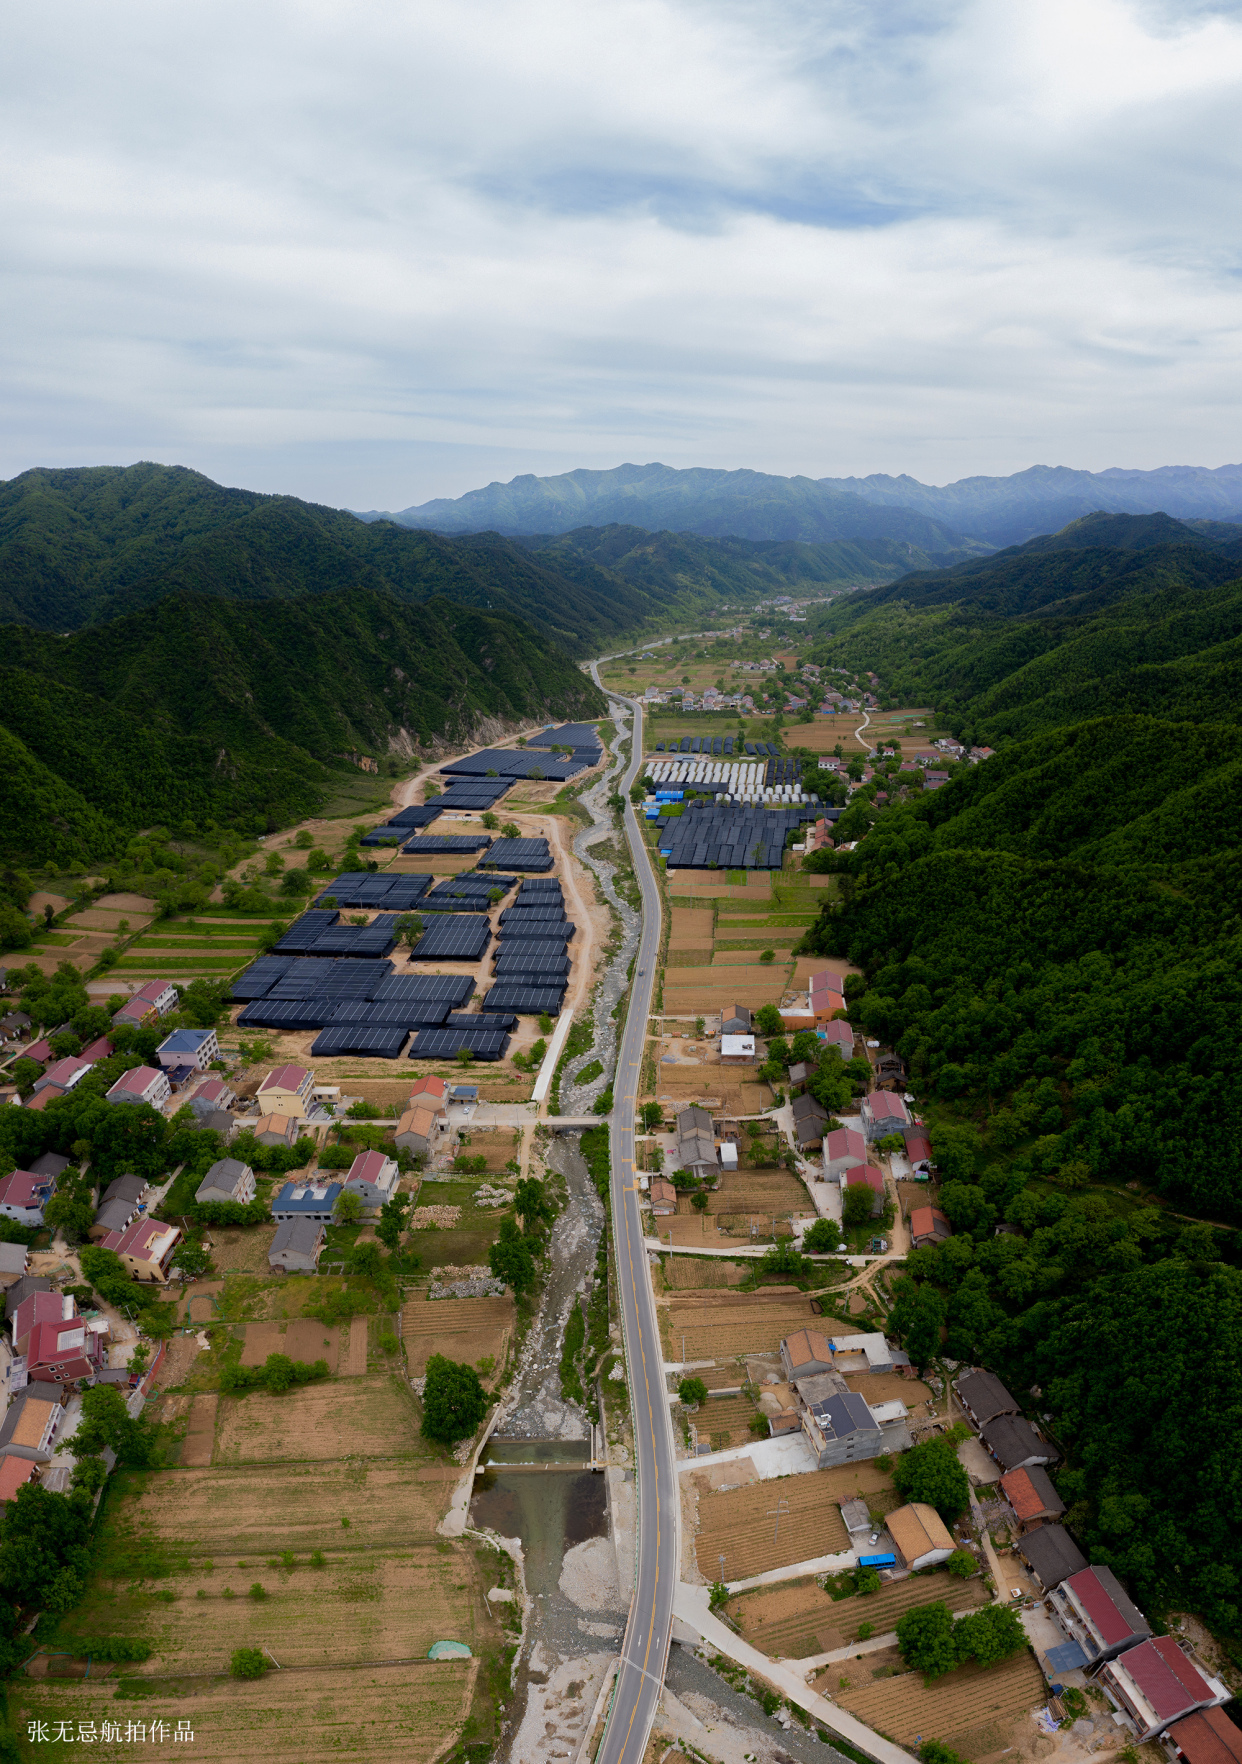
[{"x": 237, "y": 711}]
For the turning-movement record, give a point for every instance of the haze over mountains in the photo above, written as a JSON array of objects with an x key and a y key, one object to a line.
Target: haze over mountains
[{"x": 973, "y": 514}]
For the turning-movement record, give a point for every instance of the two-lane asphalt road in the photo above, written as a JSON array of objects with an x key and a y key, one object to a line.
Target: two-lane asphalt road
[{"x": 645, "y": 1649}]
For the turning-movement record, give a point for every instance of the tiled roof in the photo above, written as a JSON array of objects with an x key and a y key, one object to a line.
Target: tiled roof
[
  {"x": 1104, "y": 1599},
  {"x": 1169, "y": 1680},
  {"x": 1030, "y": 1493},
  {"x": 1208, "y": 1737}
]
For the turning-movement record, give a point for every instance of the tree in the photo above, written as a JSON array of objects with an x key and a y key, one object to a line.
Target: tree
[
  {"x": 392, "y": 1221},
  {"x": 70, "y": 1216},
  {"x": 464, "y": 1056},
  {"x": 192, "y": 1257},
  {"x": 989, "y": 1635},
  {"x": 510, "y": 1259},
  {"x": 926, "y": 1639},
  {"x": 653, "y": 1115},
  {"x": 768, "y": 1020},
  {"x": 783, "y": 1258},
  {"x": 867, "y": 1580},
  {"x": 490, "y": 820},
  {"x": 454, "y": 1402},
  {"x": 932, "y": 1473},
  {"x": 248, "y": 1663},
  {"x": 857, "y": 1203},
  {"x": 511, "y": 830},
  {"x": 106, "y": 1421},
  {"x": 822, "y": 1238},
  {"x": 532, "y": 1203},
  {"x": 45, "y": 1548},
  {"x": 348, "y": 1207},
  {"x": 692, "y": 1391},
  {"x": 767, "y": 955},
  {"x": 700, "y": 1202},
  {"x": 962, "y": 1564},
  {"x": 409, "y": 928}
]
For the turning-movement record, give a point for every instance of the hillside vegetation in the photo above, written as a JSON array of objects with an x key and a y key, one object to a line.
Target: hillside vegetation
[{"x": 235, "y": 712}]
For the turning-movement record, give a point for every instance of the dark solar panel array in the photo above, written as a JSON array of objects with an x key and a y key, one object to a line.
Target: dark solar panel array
[
  {"x": 355, "y": 940},
  {"x": 525, "y": 960},
  {"x": 420, "y": 815},
  {"x": 659, "y": 747},
  {"x": 481, "y": 1020},
  {"x": 473, "y": 794},
  {"x": 303, "y": 933},
  {"x": 453, "y": 989},
  {"x": 259, "y": 977},
  {"x": 464, "y": 894},
  {"x": 414, "y": 1013},
  {"x": 521, "y": 854},
  {"x": 513, "y": 763},
  {"x": 367, "y": 1039},
  {"x": 728, "y": 744},
  {"x": 543, "y": 886},
  {"x": 732, "y": 836},
  {"x": 289, "y": 977},
  {"x": 522, "y": 914},
  {"x": 444, "y": 1044},
  {"x": 384, "y": 836},
  {"x": 782, "y": 771},
  {"x": 527, "y": 1001},
  {"x": 454, "y": 937},
  {"x": 519, "y": 935},
  {"x": 359, "y": 888},
  {"x": 291, "y": 1014},
  {"x": 568, "y": 735},
  {"x": 441, "y": 843}
]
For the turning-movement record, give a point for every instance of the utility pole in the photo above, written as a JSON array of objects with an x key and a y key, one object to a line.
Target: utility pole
[{"x": 779, "y": 1511}]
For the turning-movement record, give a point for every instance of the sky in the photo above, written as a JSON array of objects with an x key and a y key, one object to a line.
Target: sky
[{"x": 373, "y": 253}]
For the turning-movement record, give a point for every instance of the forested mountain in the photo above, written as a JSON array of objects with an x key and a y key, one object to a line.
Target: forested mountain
[
  {"x": 1004, "y": 510},
  {"x": 1047, "y": 634},
  {"x": 237, "y": 712},
  {"x": 739, "y": 504},
  {"x": 688, "y": 571},
  {"x": 80, "y": 547}
]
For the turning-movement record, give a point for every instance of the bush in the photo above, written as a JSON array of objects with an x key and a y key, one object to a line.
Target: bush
[
  {"x": 248, "y": 1663},
  {"x": 257, "y": 1590}
]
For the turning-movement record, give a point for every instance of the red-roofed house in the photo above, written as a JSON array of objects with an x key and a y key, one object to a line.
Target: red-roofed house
[
  {"x": 63, "y": 1351},
  {"x": 1031, "y": 1495},
  {"x": 23, "y": 1196},
  {"x": 928, "y": 1226},
  {"x": 34, "y": 1311},
  {"x": 146, "y": 1248},
  {"x": 286, "y": 1091},
  {"x": 144, "y": 1084},
  {"x": 212, "y": 1093},
  {"x": 919, "y": 1152},
  {"x": 883, "y": 1112},
  {"x": 866, "y": 1175},
  {"x": 14, "y": 1474},
  {"x": 1208, "y": 1737},
  {"x": 38, "y": 1050},
  {"x": 663, "y": 1196},
  {"x": 64, "y": 1074},
  {"x": 372, "y": 1177},
  {"x": 843, "y": 1147},
  {"x": 155, "y": 999},
  {"x": 838, "y": 1034},
  {"x": 1156, "y": 1684},
  {"x": 98, "y": 1050},
  {"x": 1095, "y": 1610},
  {"x": 429, "y": 1092}
]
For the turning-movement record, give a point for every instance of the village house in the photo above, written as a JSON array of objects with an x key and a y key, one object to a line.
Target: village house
[
  {"x": 1098, "y": 1615},
  {"x": 843, "y": 1148},
  {"x": 430, "y": 1092},
  {"x": 15, "y": 1473},
  {"x": 36, "y": 1308},
  {"x": 306, "y": 1200},
  {"x": 113, "y": 1215},
  {"x": 196, "y": 1048},
  {"x": 867, "y": 1176},
  {"x": 663, "y": 1196},
  {"x": 840, "y": 1426},
  {"x": 919, "y": 1153},
  {"x": 696, "y": 1144},
  {"x": 920, "y": 1536},
  {"x": 146, "y": 1248},
  {"x": 417, "y": 1130},
  {"x": 928, "y": 1225},
  {"x": 372, "y": 1177},
  {"x": 736, "y": 1020},
  {"x": 144, "y": 1084},
  {"x": 227, "y": 1180},
  {"x": 296, "y": 1247},
  {"x": 1051, "y": 1555},
  {"x": 14, "y": 1260},
  {"x": 983, "y": 1397},
  {"x": 154, "y": 999},
  {"x": 1206, "y": 1737},
  {"x": 1015, "y": 1444},
  {"x": 23, "y": 1196},
  {"x": 277, "y": 1129},
  {"x": 31, "y": 1423},
  {"x": 737, "y": 1050},
  {"x": 883, "y": 1112},
  {"x": 218, "y": 1121},
  {"x": 66, "y": 1351},
  {"x": 62, "y": 1074},
  {"x": 212, "y": 1093},
  {"x": 286, "y": 1091},
  {"x": 1155, "y": 1684},
  {"x": 1031, "y": 1495}
]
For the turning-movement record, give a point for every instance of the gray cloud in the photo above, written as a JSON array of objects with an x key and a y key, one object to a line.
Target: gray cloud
[{"x": 377, "y": 253}]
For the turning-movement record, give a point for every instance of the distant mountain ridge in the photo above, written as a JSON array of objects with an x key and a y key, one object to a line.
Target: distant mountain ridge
[{"x": 973, "y": 514}]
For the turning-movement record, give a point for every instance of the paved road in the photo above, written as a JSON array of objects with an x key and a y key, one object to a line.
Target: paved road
[{"x": 645, "y": 1649}]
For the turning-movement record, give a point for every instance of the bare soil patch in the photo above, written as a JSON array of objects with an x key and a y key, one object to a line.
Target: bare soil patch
[
  {"x": 200, "y": 1435},
  {"x": 469, "y": 1330},
  {"x": 975, "y": 1710},
  {"x": 745, "y": 1323},
  {"x": 689, "y": 991},
  {"x": 242, "y": 1249},
  {"x": 302, "y": 1339},
  {"x": 725, "y": 1421},
  {"x": 372, "y": 1416}
]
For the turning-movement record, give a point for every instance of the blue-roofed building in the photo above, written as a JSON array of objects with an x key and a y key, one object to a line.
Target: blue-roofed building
[
  {"x": 305, "y": 1200},
  {"x": 195, "y": 1048}
]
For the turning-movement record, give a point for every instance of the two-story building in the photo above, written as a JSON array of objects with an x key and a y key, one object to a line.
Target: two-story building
[
  {"x": 62, "y": 1075},
  {"x": 227, "y": 1180},
  {"x": 843, "y": 1148},
  {"x": 153, "y": 999},
  {"x": 143, "y": 1084},
  {"x": 696, "y": 1144},
  {"x": 68, "y": 1351},
  {"x": 212, "y": 1094},
  {"x": 418, "y": 1129},
  {"x": 883, "y": 1112},
  {"x": 195, "y": 1048},
  {"x": 146, "y": 1247},
  {"x": 287, "y": 1091},
  {"x": 1096, "y": 1613},
  {"x": 296, "y": 1247},
  {"x": 373, "y": 1177},
  {"x": 23, "y": 1196},
  {"x": 1156, "y": 1684},
  {"x": 31, "y": 1423}
]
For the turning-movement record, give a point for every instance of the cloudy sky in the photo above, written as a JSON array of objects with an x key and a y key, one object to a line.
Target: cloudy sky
[{"x": 373, "y": 253}]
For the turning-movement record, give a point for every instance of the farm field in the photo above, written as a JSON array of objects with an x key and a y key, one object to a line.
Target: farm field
[
  {"x": 725, "y": 1421},
  {"x": 470, "y": 1330},
  {"x": 686, "y": 1273},
  {"x": 466, "y": 1244},
  {"x": 744, "y": 1526},
  {"x": 800, "y": 1619},
  {"x": 370, "y": 1417},
  {"x": 369, "y": 1716},
  {"x": 302, "y": 1339},
  {"x": 975, "y": 1710},
  {"x": 720, "y": 1326}
]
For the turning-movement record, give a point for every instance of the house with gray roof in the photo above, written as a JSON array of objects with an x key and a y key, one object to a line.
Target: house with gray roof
[
  {"x": 227, "y": 1180},
  {"x": 296, "y": 1247}
]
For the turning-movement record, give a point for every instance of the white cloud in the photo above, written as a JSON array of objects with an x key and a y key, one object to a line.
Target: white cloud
[{"x": 379, "y": 252}]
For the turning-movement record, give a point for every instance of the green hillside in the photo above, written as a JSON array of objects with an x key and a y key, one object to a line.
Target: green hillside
[{"x": 243, "y": 713}]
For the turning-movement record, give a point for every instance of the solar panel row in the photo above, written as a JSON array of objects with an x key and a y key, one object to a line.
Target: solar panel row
[
  {"x": 361, "y": 1038},
  {"x": 440, "y": 844},
  {"x": 527, "y": 1000},
  {"x": 455, "y": 989},
  {"x": 455, "y": 937},
  {"x": 520, "y": 854},
  {"x": 445, "y": 1044}
]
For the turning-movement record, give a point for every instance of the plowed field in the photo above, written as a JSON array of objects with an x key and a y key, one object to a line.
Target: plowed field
[
  {"x": 973, "y": 1710},
  {"x": 744, "y": 1524},
  {"x": 463, "y": 1329},
  {"x": 302, "y": 1339},
  {"x": 725, "y": 1421},
  {"x": 372, "y": 1417},
  {"x": 738, "y": 1325},
  {"x": 798, "y": 1620}
]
